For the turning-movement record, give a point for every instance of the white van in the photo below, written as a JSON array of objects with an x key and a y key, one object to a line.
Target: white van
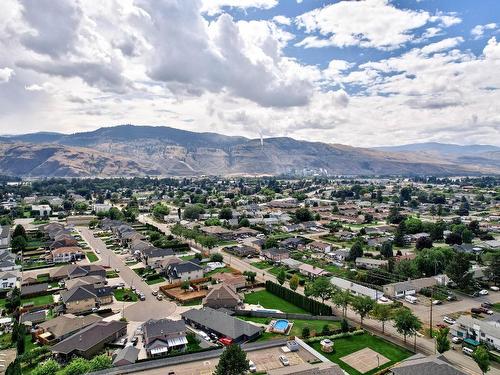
[
  {"x": 467, "y": 351},
  {"x": 411, "y": 299}
]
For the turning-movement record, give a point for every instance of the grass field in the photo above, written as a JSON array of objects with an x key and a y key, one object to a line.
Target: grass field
[
  {"x": 156, "y": 280},
  {"x": 38, "y": 300},
  {"x": 316, "y": 326},
  {"x": 125, "y": 295},
  {"x": 348, "y": 345},
  {"x": 219, "y": 270},
  {"x": 270, "y": 301},
  {"x": 496, "y": 307},
  {"x": 91, "y": 256},
  {"x": 262, "y": 265}
]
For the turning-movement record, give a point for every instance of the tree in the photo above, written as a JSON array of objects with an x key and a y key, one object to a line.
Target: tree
[
  {"x": 306, "y": 332},
  {"x": 406, "y": 323},
  {"x": 216, "y": 257},
  {"x": 453, "y": 239},
  {"x": 250, "y": 276},
  {"x": 49, "y": 367},
  {"x": 281, "y": 277},
  {"x": 185, "y": 286},
  {"x": 294, "y": 282},
  {"x": 100, "y": 362},
  {"x": 423, "y": 243},
  {"x": 482, "y": 358},
  {"x": 21, "y": 335},
  {"x": 226, "y": 213},
  {"x": 458, "y": 270},
  {"x": 493, "y": 270},
  {"x": 344, "y": 325},
  {"x": 467, "y": 236},
  {"x": 406, "y": 268},
  {"x": 395, "y": 217},
  {"x": 382, "y": 313},
  {"x": 386, "y": 250},
  {"x": 160, "y": 210},
  {"x": 14, "y": 368},
  {"x": 321, "y": 288},
  {"x": 193, "y": 212},
  {"x": 244, "y": 222},
  {"x": 18, "y": 244},
  {"x": 356, "y": 251},
  {"x": 303, "y": 214},
  {"x": 233, "y": 361},
  {"x": 77, "y": 366},
  {"x": 342, "y": 298},
  {"x": 442, "y": 341},
  {"x": 363, "y": 305},
  {"x": 19, "y": 231}
]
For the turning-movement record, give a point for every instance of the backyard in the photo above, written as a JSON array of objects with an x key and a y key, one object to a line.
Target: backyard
[
  {"x": 348, "y": 345},
  {"x": 270, "y": 301},
  {"x": 38, "y": 300},
  {"x": 126, "y": 295}
]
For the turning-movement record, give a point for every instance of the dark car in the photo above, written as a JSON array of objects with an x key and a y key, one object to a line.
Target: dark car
[
  {"x": 487, "y": 305},
  {"x": 476, "y": 310}
]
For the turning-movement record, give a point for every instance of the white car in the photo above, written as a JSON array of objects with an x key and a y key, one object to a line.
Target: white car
[
  {"x": 483, "y": 292},
  {"x": 456, "y": 340},
  {"x": 204, "y": 336},
  {"x": 494, "y": 288},
  {"x": 284, "y": 360},
  {"x": 448, "y": 320},
  {"x": 252, "y": 367}
]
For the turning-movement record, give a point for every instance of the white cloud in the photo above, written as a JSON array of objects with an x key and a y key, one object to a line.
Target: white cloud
[
  {"x": 282, "y": 20},
  {"x": 5, "y": 74},
  {"x": 478, "y": 30},
  {"x": 213, "y": 7},
  {"x": 369, "y": 23},
  {"x": 442, "y": 45}
]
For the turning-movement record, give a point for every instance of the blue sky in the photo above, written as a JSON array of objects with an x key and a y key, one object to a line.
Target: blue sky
[{"x": 363, "y": 73}]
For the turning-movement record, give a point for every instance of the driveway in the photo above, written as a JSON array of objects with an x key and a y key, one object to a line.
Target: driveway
[{"x": 141, "y": 311}]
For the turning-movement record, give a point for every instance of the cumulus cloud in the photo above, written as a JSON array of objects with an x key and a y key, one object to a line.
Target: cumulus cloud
[
  {"x": 213, "y": 7},
  {"x": 479, "y": 30},
  {"x": 358, "y": 23},
  {"x": 5, "y": 74}
]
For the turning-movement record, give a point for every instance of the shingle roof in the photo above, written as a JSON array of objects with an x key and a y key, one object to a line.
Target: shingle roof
[
  {"x": 428, "y": 365},
  {"x": 64, "y": 324},
  {"x": 221, "y": 322}
]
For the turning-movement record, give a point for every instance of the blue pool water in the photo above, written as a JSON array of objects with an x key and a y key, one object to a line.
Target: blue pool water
[{"x": 281, "y": 324}]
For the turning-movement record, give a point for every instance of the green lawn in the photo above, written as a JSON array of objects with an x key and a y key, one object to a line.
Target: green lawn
[
  {"x": 316, "y": 326},
  {"x": 496, "y": 307},
  {"x": 91, "y": 256},
  {"x": 270, "y": 301},
  {"x": 38, "y": 300},
  {"x": 5, "y": 341},
  {"x": 125, "y": 295},
  {"x": 219, "y": 270},
  {"x": 156, "y": 280},
  {"x": 348, "y": 345},
  {"x": 262, "y": 265},
  {"x": 111, "y": 274}
]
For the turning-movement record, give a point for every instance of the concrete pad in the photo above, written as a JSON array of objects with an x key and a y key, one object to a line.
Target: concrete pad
[{"x": 365, "y": 360}]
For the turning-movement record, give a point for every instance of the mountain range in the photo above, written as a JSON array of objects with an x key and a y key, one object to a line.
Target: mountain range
[{"x": 128, "y": 150}]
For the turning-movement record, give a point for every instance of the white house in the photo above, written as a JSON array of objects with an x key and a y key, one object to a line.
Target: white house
[
  {"x": 101, "y": 207},
  {"x": 356, "y": 289},
  {"x": 41, "y": 209},
  {"x": 8, "y": 280}
]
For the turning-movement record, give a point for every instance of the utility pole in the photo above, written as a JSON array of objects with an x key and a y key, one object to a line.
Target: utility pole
[{"x": 430, "y": 318}]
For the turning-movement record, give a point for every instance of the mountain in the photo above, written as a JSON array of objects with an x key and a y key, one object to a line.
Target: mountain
[
  {"x": 128, "y": 150},
  {"x": 440, "y": 148}
]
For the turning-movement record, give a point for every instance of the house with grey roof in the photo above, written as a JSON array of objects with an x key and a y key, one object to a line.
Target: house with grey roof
[
  {"x": 126, "y": 356},
  {"x": 183, "y": 271},
  {"x": 8, "y": 280},
  {"x": 420, "y": 364},
  {"x": 63, "y": 326},
  {"x": 409, "y": 287},
  {"x": 163, "y": 335},
  {"x": 222, "y": 324},
  {"x": 356, "y": 289},
  {"x": 4, "y": 236},
  {"x": 222, "y": 296}
]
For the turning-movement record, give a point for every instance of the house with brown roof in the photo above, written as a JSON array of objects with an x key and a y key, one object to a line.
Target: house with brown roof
[
  {"x": 65, "y": 254},
  {"x": 89, "y": 341},
  {"x": 72, "y": 271},
  {"x": 222, "y": 296},
  {"x": 85, "y": 297},
  {"x": 63, "y": 326}
]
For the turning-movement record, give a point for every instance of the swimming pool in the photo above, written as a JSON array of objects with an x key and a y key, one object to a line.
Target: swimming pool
[{"x": 281, "y": 325}]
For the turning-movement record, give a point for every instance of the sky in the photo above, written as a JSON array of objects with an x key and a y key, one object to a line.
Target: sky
[{"x": 362, "y": 73}]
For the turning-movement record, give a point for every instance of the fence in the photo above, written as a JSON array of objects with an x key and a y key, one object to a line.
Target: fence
[{"x": 277, "y": 315}]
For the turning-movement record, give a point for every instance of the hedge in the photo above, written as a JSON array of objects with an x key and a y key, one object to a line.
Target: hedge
[
  {"x": 336, "y": 336},
  {"x": 306, "y": 303}
]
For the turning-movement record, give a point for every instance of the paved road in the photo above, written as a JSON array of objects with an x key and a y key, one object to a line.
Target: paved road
[
  {"x": 141, "y": 311},
  {"x": 424, "y": 344}
]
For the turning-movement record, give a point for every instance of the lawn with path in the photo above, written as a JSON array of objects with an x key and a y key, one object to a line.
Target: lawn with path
[
  {"x": 270, "y": 301},
  {"x": 126, "y": 295},
  {"x": 38, "y": 300},
  {"x": 91, "y": 256},
  {"x": 347, "y": 345}
]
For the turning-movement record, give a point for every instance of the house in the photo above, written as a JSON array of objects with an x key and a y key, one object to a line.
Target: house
[
  {"x": 8, "y": 261},
  {"x": 163, "y": 335},
  {"x": 41, "y": 210},
  {"x": 370, "y": 263},
  {"x": 235, "y": 281},
  {"x": 96, "y": 281},
  {"x": 222, "y": 296},
  {"x": 356, "y": 289},
  {"x": 64, "y": 240},
  {"x": 408, "y": 288},
  {"x": 34, "y": 289},
  {"x": 241, "y": 251},
  {"x": 152, "y": 255},
  {"x": 312, "y": 271},
  {"x": 245, "y": 232},
  {"x": 420, "y": 364},
  {"x": 481, "y": 331},
  {"x": 101, "y": 207},
  {"x": 4, "y": 236},
  {"x": 222, "y": 324},
  {"x": 91, "y": 340},
  {"x": 85, "y": 297},
  {"x": 291, "y": 263},
  {"x": 66, "y": 254},
  {"x": 126, "y": 356},
  {"x": 219, "y": 232},
  {"x": 33, "y": 317},
  {"x": 183, "y": 271},
  {"x": 72, "y": 271},
  {"x": 63, "y": 326},
  {"x": 8, "y": 280},
  {"x": 292, "y": 243},
  {"x": 322, "y": 247},
  {"x": 321, "y": 368},
  {"x": 276, "y": 254}
]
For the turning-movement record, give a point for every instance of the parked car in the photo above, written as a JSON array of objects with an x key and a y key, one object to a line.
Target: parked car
[
  {"x": 225, "y": 341},
  {"x": 451, "y": 297},
  {"x": 483, "y": 292},
  {"x": 135, "y": 340},
  {"x": 448, "y": 320},
  {"x": 476, "y": 310},
  {"x": 467, "y": 351},
  {"x": 494, "y": 288},
  {"x": 159, "y": 297},
  {"x": 142, "y": 297},
  {"x": 456, "y": 340},
  {"x": 487, "y": 305},
  {"x": 204, "y": 335},
  {"x": 252, "y": 367},
  {"x": 437, "y": 302},
  {"x": 284, "y": 360},
  {"x": 155, "y": 292},
  {"x": 441, "y": 325}
]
